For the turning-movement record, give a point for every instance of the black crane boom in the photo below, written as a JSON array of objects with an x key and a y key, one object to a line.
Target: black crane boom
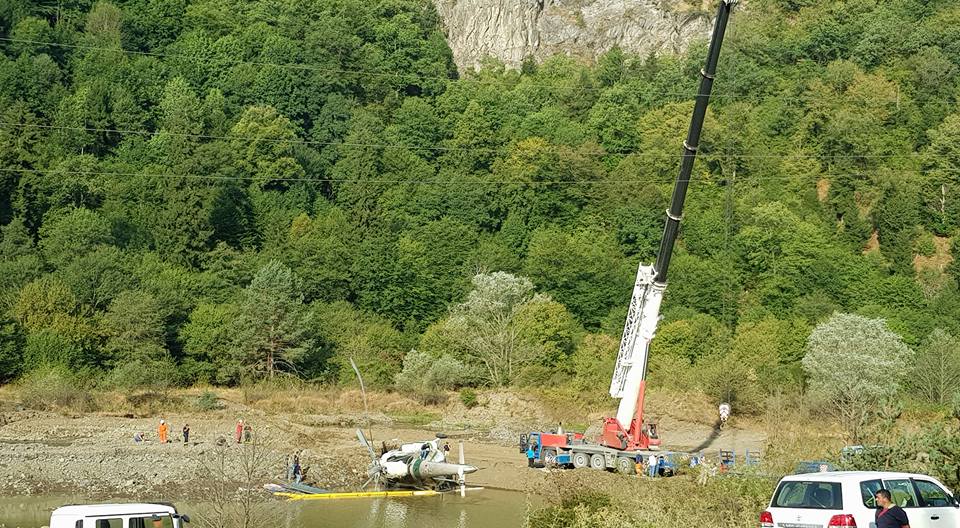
[{"x": 675, "y": 212}]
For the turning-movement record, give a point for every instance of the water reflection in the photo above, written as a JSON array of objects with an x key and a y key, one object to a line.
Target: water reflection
[{"x": 483, "y": 509}]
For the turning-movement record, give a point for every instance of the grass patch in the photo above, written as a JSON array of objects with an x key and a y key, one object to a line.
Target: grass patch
[
  {"x": 730, "y": 501},
  {"x": 417, "y": 419}
]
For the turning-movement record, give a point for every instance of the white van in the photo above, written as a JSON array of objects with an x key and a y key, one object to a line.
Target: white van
[
  {"x": 846, "y": 498},
  {"x": 142, "y": 515}
]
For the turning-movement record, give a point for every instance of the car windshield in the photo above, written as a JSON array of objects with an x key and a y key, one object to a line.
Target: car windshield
[{"x": 809, "y": 494}]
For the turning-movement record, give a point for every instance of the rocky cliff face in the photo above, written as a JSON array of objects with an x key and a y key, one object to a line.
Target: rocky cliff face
[{"x": 511, "y": 30}]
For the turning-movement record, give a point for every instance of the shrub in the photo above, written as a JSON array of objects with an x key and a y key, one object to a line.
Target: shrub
[
  {"x": 469, "y": 398},
  {"x": 424, "y": 373},
  {"x": 924, "y": 245},
  {"x": 55, "y": 389},
  {"x": 143, "y": 374},
  {"x": 727, "y": 378},
  {"x": 207, "y": 401}
]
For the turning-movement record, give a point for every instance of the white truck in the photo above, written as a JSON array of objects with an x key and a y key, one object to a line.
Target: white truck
[{"x": 138, "y": 515}]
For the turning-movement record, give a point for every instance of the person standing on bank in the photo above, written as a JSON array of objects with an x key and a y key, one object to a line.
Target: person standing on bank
[
  {"x": 162, "y": 430},
  {"x": 889, "y": 515},
  {"x": 186, "y": 434},
  {"x": 238, "y": 432}
]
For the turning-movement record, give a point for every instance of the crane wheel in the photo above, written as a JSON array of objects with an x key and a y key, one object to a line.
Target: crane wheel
[
  {"x": 581, "y": 460},
  {"x": 626, "y": 466},
  {"x": 597, "y": 461}
]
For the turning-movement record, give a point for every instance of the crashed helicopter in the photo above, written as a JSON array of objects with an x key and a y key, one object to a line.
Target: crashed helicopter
[{"x": 417, "y": 465}]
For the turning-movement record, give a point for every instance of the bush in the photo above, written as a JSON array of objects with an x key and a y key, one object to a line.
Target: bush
[
  {"x": 932, "y": 450},
  {"x": 423, "y": 373},
  {"x": 47, "y": 349},
  {"x": 150, "y": 402},
  {"x": 728, "y": 378},
  {"x": 55, "y": 389},
  {"x": 143, "y": 374},
  {"x": 469, "y": 398},
  {"x": 592, "y": 363},
  {"x": 924, "y": 245},
  {"x": 208, "y": 401}
]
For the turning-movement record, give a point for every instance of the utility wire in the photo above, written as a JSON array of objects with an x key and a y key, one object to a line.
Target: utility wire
[
  {"x": 371, "y": 73},
  {"x": 502, "y": 150},
  {"x": 434, "y": 182}
]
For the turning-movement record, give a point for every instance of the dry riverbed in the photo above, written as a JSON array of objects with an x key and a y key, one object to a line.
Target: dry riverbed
[{"x": 94, "y": 454}]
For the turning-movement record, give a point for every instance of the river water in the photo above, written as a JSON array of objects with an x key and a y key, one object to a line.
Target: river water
[{"x": 480, "y": 509}]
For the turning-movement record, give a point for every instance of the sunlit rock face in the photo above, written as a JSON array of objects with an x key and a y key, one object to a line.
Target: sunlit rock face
[{"x": 511, "y": 30}]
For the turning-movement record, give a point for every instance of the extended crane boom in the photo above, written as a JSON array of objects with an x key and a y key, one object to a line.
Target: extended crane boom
[{"x": 627, "y": 431}]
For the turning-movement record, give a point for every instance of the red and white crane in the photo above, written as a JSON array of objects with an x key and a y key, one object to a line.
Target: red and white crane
[
  {"x": 627, "y": 431},
  {"x": 626, "y": 436}
]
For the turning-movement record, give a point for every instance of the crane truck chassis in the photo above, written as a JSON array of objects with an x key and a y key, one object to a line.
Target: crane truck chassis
[{"x": 625, "y": 436}]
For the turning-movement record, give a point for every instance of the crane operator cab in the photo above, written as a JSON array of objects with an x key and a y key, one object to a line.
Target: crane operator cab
[{"x": 650, "y": 431}]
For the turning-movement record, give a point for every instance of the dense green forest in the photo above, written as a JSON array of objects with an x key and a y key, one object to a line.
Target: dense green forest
[{"x": 219, "y": 191}]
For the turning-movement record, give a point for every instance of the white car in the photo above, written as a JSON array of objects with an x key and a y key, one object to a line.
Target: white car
[
  {"x": 846, "y": 498},
  {"x": 143, "y": 515}
]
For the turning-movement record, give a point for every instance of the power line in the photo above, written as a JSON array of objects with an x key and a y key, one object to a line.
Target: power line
[
  {"x": 502, "y": 150},
  {"x": 434, "y": 182},
  {"x": 371, "y": 73}
]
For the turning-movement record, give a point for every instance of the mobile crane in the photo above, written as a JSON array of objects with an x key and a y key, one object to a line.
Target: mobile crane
[{"x": 625, "y": 436}]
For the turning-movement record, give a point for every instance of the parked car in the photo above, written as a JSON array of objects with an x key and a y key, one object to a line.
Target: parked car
[
  {"x": 846, "y": 499},
  {"x": 144, "y": 515}
]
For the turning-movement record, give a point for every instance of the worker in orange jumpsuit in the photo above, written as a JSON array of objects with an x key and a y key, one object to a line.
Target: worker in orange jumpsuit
[{"x": 162, "y": 430}]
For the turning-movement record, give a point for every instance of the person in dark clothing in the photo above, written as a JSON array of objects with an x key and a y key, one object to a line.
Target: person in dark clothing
[
  {"x": 297, "y": 471},
  {"x": 186, "y": 434},
  {"x": 889, "y": 515}
]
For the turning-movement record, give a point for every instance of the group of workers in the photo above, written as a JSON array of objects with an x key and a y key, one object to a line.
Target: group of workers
[
  {"x": 243, "y": 433},
  {"x": 653, "y": 466},
  {"x": 163, "y": 434}
]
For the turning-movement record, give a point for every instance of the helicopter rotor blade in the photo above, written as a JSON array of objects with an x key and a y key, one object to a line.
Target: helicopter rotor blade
[{"x": 365, "y": 443}]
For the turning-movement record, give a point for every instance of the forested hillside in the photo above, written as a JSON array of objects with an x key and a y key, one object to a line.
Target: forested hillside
[{"x": 218, "y": 191}]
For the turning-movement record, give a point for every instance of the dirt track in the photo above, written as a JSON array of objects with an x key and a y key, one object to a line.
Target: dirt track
[{"x": 94, "y": 454}]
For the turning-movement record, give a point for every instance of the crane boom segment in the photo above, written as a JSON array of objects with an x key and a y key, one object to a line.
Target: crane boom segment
[{"x": 627, "y": 430}]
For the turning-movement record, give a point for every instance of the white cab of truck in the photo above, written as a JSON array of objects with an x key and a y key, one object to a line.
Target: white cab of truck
[
  {"x": 143, "y": 515},
  {"x": 846, "y": 499}
]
